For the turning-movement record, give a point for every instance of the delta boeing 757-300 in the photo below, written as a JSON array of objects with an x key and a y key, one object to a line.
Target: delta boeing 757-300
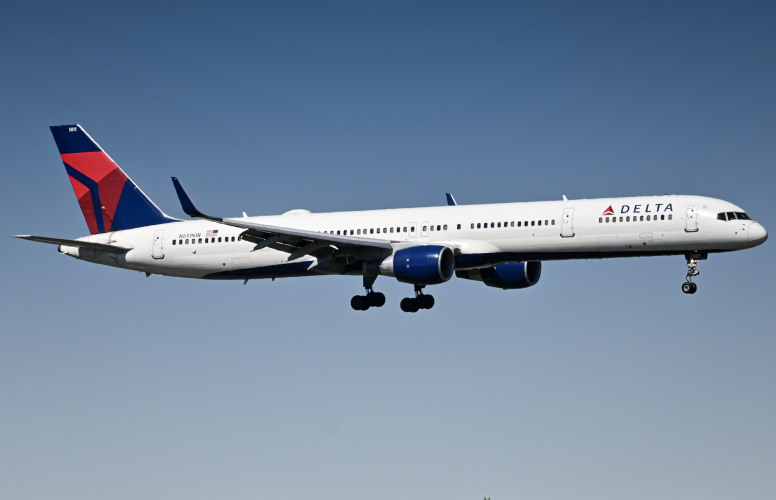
[{"x": 502, "y": 245}]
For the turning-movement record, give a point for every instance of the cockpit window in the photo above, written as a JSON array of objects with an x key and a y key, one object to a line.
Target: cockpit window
[{"x": 733, "y": 216}]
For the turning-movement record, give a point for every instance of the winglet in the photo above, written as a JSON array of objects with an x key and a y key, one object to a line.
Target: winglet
[
  {"x": 188, "y": 205},
  {"x": 450, "y": 200}
]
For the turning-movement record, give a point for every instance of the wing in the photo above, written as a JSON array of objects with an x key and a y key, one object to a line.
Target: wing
[
  {"x": 103, "y": 247},
  {"x": 334, "y": 251}
]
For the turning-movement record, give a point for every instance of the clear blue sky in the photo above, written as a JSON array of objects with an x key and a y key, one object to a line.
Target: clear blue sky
[{"x": 602, "y": 382}]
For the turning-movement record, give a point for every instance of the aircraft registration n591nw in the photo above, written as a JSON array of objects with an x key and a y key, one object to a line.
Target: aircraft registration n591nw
[{"x": 501, "y": 245}]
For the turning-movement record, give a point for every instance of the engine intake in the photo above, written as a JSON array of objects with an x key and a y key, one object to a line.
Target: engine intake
[
  {"x": 508, "y": 276},
  {"x": 421, "y": 265}
]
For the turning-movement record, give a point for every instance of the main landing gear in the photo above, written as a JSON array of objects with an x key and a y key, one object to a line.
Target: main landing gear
[
  {"x": 371, "y": 299},
  {"x": 692, "y": 271},
  {"x": 420, "y": 301}
]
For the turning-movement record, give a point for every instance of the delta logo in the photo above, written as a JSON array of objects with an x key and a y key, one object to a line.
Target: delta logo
[{"x": 641, "y": 208}]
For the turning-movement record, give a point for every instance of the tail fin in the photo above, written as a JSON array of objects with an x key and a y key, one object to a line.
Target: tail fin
[{"x": 109, "y": 200}]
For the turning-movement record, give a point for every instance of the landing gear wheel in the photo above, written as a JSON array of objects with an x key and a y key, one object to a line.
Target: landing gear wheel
[
  {"x": 692, "y": 270},
  {"x": 425, "y": 301},
  {"x": 375, "y": 299},
  {"x": 409, "y": 305},
  {"x": 359, "y": 303}
]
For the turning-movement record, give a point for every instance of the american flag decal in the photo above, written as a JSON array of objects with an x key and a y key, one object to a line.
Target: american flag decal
[{"x": 211, "y": 232}]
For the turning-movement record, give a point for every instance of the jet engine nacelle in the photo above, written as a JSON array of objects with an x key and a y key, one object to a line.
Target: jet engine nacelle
[
  {"x": 508, "y": 276},
  {"x": 420, "y": 265}
]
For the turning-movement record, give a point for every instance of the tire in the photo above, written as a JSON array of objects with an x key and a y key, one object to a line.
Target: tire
[
  {"x": 687, "y": 287},
  {"x": 359, "y": 303},
  {"x": 426, "y": 301},
  {"x": 375, "y": 299},
  {"x": 409, "y": 305}
]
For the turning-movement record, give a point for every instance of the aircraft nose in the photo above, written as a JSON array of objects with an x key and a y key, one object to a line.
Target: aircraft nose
[{"x": 757, "y": 233}]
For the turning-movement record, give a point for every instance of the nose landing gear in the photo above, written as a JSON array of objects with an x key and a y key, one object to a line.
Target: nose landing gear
[
  {"x": 420, "y": 301},
  {"x": 692, "y": 270}
]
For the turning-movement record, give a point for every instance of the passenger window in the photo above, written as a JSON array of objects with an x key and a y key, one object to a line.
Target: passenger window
[
  {"x": 173, "y": 242},
  {"x": 600, "y": 220},
  {"x": 533, "y": 222},
  {"x": 372, "y": 231},
  {"x": 180, "y": 242},
  {"x": 405, "y": 229},
  {"x": 458, "y": 226},
  {"x": 478, "y": 225},
  {"x": 607, "y": 219},
  {"x": 670, "y": 216},
  {"x": 540, "y": 223},
  {"x": 200, "y": 241},
  {"x": 492, "y": 225},
  {"x": 513, "y": 223},
  {"x": 519, "y": 224},
  {"x": 439, "y": 228}
]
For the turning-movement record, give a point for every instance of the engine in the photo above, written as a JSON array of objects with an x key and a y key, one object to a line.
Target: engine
[
  {"x": 509, "y": 275},
  {"x": 421, "y": 265}
]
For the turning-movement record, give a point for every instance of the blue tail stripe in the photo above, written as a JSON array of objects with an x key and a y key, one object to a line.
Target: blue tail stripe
[
  {"x": 136, "y": 210},
  {"x": 94, "y": 190}
]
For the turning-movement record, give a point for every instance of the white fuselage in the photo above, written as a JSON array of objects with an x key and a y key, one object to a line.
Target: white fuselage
[{"x": 480, "y": 235}]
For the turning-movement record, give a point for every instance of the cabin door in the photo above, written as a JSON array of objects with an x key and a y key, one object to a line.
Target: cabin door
[
  {"x": 157, "y": 252},
  {"x": 691, "y": 221},
  {"x": 567, "y": 223}
]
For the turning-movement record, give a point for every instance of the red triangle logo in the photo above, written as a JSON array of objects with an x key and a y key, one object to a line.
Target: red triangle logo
[{"x": 609, "y": 211}]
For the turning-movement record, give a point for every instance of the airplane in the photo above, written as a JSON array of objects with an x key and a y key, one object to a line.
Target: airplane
[{"x": 501, "y": 245}]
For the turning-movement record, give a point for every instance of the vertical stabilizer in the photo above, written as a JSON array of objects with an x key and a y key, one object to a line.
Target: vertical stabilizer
[{"x": 109, "y": 200}]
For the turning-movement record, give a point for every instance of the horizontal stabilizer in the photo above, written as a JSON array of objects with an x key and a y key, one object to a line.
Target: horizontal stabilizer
[{"x": 102, "y": 247}]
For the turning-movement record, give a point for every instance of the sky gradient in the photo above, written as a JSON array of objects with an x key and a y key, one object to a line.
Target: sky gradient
[{"x": 604, "y": 381}]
